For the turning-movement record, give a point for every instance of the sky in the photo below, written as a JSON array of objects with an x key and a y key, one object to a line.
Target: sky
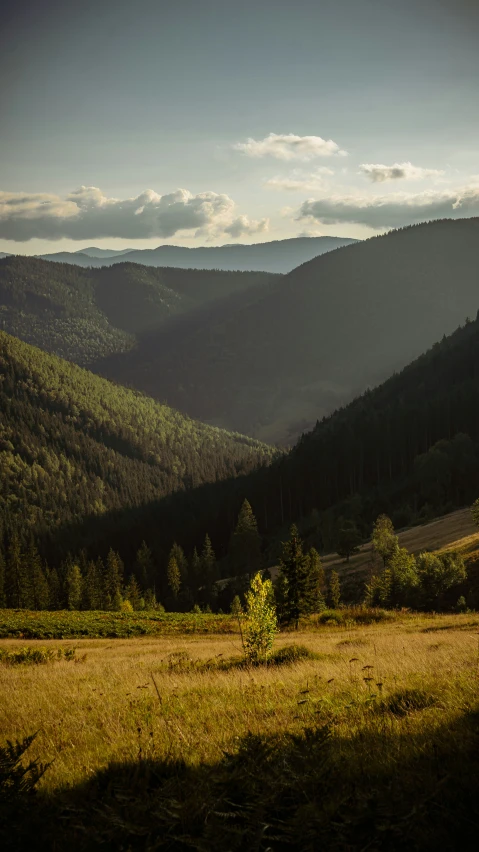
[{"x": 205, "y": 122}]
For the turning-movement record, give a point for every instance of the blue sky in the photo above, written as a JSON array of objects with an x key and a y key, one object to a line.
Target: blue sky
[{"x": 210, "y": 121}]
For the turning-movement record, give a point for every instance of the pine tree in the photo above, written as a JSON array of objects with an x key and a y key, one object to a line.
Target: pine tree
[
  {"x": 74, "y": 584},
  {"x": 54, "y": 589},
  {"x": 92, "y": 587},
  {"x": 208, "y": 563},
  {"x": 18, "y": 589},
  {"x": 177, "y": 553},
  {"x": 245, "y": 549},
  {"x": 112, "y": 581},
  {"x": 173, "y": 575},
  {"x": 334, "y": 590},
  {"x": 144, "y": 566},
  {"x": 313, "y": 597},
  {"x": 195, "y": 570},
  {"x": 294, "y": 571},
  {"x": 132, "y": 592},
  {"x": 38, "y": 579},
  {"x": 3, "y": 599}
]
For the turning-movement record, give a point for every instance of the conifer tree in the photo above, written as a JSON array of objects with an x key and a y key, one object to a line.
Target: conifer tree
[
  {"x": 39, "y": 584},
  {"x": 17, "y": 584},
  {"x": 74, "y": 585},
  {"x": 3, "y": 599},
  {"x": 173, "y": 576},
  {"x": 334, "y": 590},
  {"x": 245, "y": 549},
  {"x": 261, "y": 623},
  {"x": 347, "y": 539},
  {"x": 195, "y": 570},
  {"x": 313, "y": 598},
  {"x": 54, "y": 589},
  {"x": 144, "y": 566},
  {"x": 133, "y": 593},
  {"x": 112, "y": 581},
  {"x": 208, "y": 563},
  {"x": 294, "y": 567},
  {"x": 92, "y": 587}
]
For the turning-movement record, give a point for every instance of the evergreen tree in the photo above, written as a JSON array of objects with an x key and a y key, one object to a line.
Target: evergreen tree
[
  {"x": 112, "y": 581},
  {"x": 144, "y": 566},
  {"x": 132, "y": 593},
  {"x": 177, "y": 553},
  {"x": 38, "y": 578},
  {"x": 54, "y": 589},
  {"x": 334, "y": 590},
  {"x": 92, "y": 586},
  {"x": 208, "y": 563},
  {"x": 195, "y": 570},
  {"x": 18, "y": 589},
  {"x": 173, "y": 575},
  {"x": 74, "y": 585},
  {"x": 3, "y": 599},
  {"x": 313, "y": 595},
  {"x": 294, "y": 569},
  {"x": 245, "y": 548}
]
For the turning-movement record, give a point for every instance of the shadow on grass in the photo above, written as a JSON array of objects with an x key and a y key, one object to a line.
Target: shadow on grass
[{"x": 379, "y": 790}]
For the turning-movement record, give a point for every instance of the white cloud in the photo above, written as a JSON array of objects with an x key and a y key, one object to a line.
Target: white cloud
[
  {"x": 393, "y": 210},
  {"x": 88, "y": 214},
  {"x": 244, "y": 226},
  {"x": 297, "y": 181},
  {"x": 288, "y": 146},
  {"x": 379, "y": 173}
]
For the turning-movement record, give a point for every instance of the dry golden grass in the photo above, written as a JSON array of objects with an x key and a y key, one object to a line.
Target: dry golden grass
[{"x": 108, "y": 708}]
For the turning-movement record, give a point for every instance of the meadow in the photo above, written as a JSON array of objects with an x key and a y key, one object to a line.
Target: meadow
[{"x": 371, "y": 742}]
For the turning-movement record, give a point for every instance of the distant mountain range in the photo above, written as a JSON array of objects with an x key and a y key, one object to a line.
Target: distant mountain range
[
  {"x": 278, "y": 256},
  {"x": 272, "y": 362}
]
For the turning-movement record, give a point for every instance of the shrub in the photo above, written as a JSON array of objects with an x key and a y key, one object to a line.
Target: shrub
[{"x": 409, "y": 700}]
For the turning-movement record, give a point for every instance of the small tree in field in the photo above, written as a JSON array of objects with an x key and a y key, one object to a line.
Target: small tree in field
[{"x": 261, "y": 623}]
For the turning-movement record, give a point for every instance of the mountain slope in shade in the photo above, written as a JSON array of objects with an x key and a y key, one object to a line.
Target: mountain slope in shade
[
  {"x": 324, "y": 333},
  {"x": 73, "y": 444},
  {"x": 93, "y": 251},
  {"x": 84, "y": 314},
  {"x": 279, "y": 256}
]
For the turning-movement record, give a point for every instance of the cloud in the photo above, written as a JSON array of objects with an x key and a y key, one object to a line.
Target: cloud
[
  {"x": 297, "y": 181},
  {"x": 88, "y": 214},
  {"x": 378, "y": 173},
  {"x": 243, "y": 226},
  {"x": 394, "y": 210},
  {"x": 288, "y": 146}
]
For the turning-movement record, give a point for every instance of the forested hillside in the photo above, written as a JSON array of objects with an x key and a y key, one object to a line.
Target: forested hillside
[
  {"x": 276, "y": 256},
  {"x": 324, "y": 333},
  {"x": 410, "y": 448},
  {"x": 85, "y": 314},
  {"x": 73, "y": 444}
]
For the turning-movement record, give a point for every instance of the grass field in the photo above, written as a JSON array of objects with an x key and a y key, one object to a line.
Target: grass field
[{"x": 373, "y": 744}]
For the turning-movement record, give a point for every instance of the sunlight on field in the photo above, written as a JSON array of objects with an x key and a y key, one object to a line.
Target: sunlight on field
[{"x": 144, "y": 698}]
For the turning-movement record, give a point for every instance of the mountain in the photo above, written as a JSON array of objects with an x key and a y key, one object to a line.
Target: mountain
[
  {"x": 279, "y": 256},
  {"x": 74, "y": 445},
  {"x": 86, "y": 314},
  {"x": 325, "y": 332},
  {"x": 4, "y": 254},
  {"x": 93, "y": 251}
]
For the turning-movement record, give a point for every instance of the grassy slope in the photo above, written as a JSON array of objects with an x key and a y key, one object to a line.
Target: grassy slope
[
  {"x": 455, "y": 531},
  {"x": 310, "y": 756}
]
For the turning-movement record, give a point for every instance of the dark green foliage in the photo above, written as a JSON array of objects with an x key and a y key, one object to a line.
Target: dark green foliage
[
  {"x": 334, "y": 591},
  {"x": 86, "y": 314},
  {"x": 348, "y": 538},
  {"x": 73, "y": 445},
  {"x": 245, "y": 550},
  {"x": 270, "y": 366},
  {"x": 17, "y": 780},
  {"x": 408, "y": 700}
]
